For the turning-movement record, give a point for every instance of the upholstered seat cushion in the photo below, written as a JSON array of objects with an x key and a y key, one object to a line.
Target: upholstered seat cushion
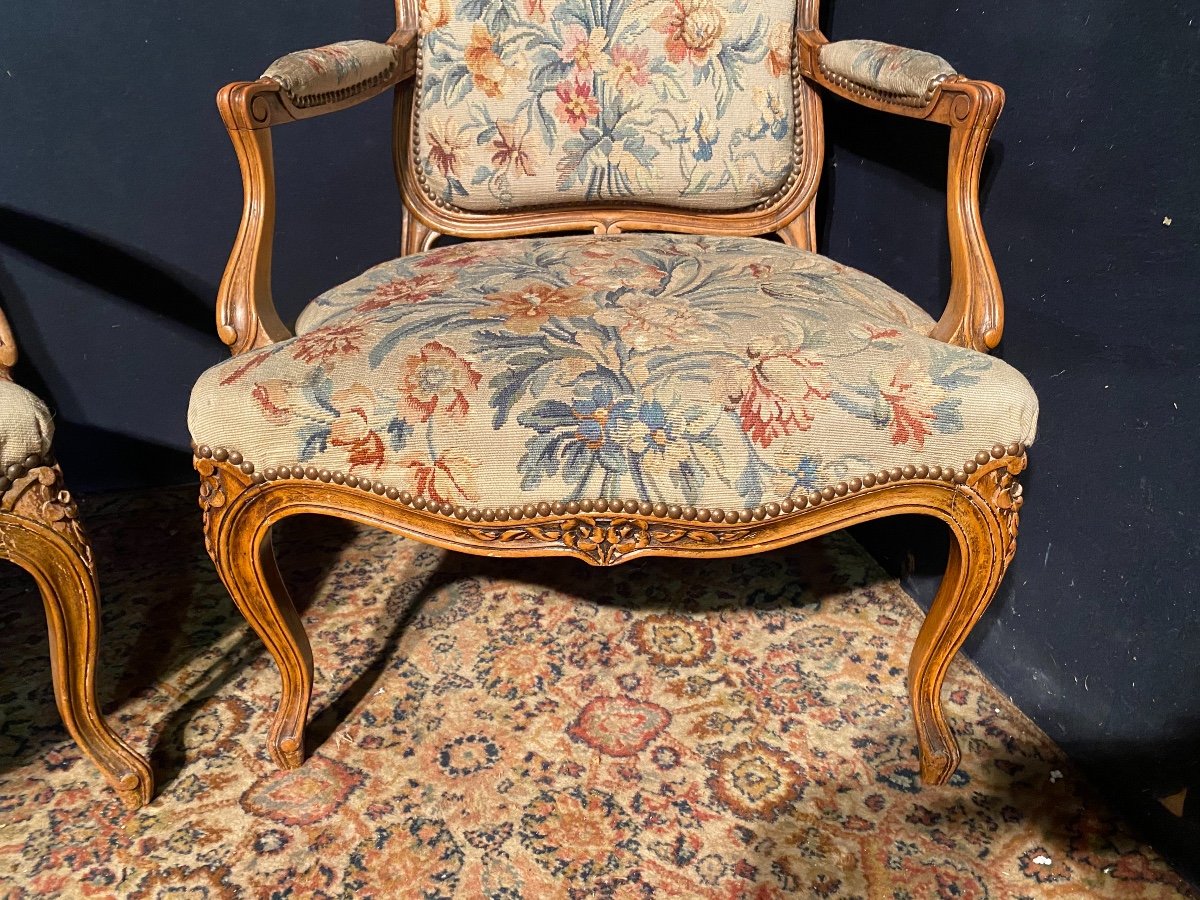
[
  {"x": 688, "y": 370},
  {"x": 26, "y": 427}
]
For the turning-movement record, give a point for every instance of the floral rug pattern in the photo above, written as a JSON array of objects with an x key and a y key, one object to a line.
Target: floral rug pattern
[{"x": 530, "y": 729}]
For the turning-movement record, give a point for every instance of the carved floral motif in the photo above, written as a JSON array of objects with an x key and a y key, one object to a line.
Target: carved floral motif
[
  {"x": 605, "y": 540},
  {"x": 40, "y": 495},
  {"x": 997, "y": 484}
]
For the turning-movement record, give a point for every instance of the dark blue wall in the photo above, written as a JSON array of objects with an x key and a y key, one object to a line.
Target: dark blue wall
[
  {"x": 1095, "y": 633},
  {"x": 119, "y": 198}
]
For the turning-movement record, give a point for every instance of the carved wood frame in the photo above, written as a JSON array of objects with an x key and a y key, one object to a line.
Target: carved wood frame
[
  {"x": 39, "y": 532},
  {"x": 979, "y": 502}
]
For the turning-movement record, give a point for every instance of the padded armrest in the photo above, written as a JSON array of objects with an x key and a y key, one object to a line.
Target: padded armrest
[
  {"x": 335, "y": 72},
  {"x": 897, "y": 73}
]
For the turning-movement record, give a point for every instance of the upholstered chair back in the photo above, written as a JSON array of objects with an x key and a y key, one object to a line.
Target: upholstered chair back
[{"x": 520, "y": 105}]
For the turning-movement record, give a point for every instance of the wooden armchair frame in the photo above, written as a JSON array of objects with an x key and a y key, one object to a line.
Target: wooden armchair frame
[
  {"x": 39, "y": 532},
  {"x": 979, "y": 501}
]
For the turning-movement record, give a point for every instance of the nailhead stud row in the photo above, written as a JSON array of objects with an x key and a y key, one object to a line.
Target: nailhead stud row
[
  {"x": 16, "y": 470},
  {"x": 643, "y": 507}
]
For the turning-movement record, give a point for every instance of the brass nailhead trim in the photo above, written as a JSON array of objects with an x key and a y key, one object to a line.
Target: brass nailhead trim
[
  {"x": 17, "y": 470},
  {"x": 602, "y": 505},
  {"x": 873, "y": 93},
  {"x": 304, "y": 101}
]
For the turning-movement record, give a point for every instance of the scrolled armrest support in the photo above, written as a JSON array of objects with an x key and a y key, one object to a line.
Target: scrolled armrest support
[
  {"x": 923, "y": 86},
  {"x": 297, "y": 86}
]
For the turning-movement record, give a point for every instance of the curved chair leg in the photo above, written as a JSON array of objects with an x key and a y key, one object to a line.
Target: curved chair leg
[
  {"x": 983, "y": 526},
  {"x": 38, "y": 532},
  {"x": 240, "y": 545}
]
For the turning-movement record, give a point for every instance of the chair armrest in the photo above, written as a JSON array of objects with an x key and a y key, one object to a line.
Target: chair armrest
[
  {"x": 906, "y": 76},
  {"x": 298, "y": 86},
  {"x": 923, "y": 86},
  {"x": 335, "y": 72}
]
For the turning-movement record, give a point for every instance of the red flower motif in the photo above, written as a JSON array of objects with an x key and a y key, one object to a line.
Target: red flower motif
[
  {"x": 417, "y": 289},
  {"x": 327, "y": 343},
  {"x": 274, "y": 399},
  {"x": 908, "y": 422},
  {"x": 766, "y": 414},
  {"x": 438, "y": 378},
  {"x": 510, "y": 150},
  {"x": 352, "y": 429},
  {"x": 693, "y": 30},
  {"x": 576, "y": 104}
]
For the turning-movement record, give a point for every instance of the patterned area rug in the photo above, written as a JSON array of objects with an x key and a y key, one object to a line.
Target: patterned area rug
[{"x": 730, "y": 729}]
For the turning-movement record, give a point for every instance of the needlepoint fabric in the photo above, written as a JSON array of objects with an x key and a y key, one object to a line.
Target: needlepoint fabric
[
  {"x": 692, "y": 370},
  {"x": 26, "y": 426},
  {"x": 886, "y": 68},
  {"x": 684, "y": 103},
  {"x": 336, "y": 67}
]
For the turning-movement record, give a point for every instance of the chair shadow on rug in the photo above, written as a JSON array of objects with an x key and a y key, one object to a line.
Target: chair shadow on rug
[
  {"x": 668, "y": 384},
  {"x": 309, "y": 549}
]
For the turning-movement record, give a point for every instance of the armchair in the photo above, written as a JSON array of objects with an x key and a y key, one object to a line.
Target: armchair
[
  {"x": 670, "y": 383},
  {"x": 39, "y": 532}
]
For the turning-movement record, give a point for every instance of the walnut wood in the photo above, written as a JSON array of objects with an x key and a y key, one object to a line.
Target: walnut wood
[
  {"x": 979, "y": 504},
  {"x": 246, "y": 314},
  {"x": 40, "y": 533},
  {"x": 974, "y": 313},
  {"x": 981, "y": 511}
]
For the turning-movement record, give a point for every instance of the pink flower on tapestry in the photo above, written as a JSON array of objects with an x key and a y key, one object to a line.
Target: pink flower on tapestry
[
  {"x": 575, "y": 104},
  {"x": 438, "y": 379},
  {"x": 629, "y": 66},
  {"x": 693, "y": 30},
  {"x": 274, "y": 398},
  {"x": 584, "y": 49},
  {"x": 450, "y": 478},
  {"x": 352, "y": 430},
  {"x": 327, "y": 343},
  {"x": 603, "y": 267}
]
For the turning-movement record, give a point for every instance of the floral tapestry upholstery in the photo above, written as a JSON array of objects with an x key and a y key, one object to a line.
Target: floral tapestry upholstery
[
  {"x": 683, "y": 103},
  {"x": 26, "y": 427},
  {"x": 686, "y": 370},
  {"x": 885, "y": 68},
  {"x": 326, "y": 73}
]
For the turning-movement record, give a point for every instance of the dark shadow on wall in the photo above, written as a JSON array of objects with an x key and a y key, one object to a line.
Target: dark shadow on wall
[
  {"x": 134, "y": 278},
  {"x": 95, "y": 455}
]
